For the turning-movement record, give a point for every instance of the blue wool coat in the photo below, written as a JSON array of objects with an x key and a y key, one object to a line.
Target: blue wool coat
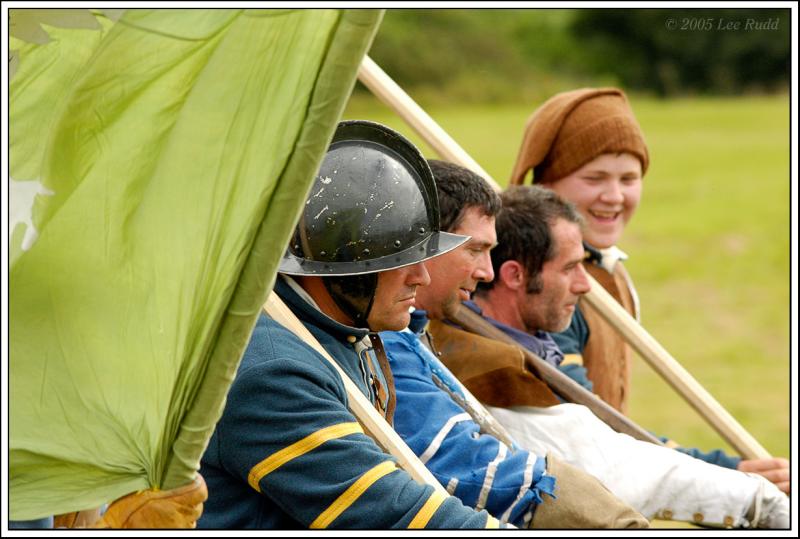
[
  {"x": 477, "y": 468},
  {"x": 287, "y": 452}
]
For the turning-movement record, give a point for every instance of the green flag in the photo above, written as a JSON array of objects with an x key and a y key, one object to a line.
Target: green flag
[{"x": 158, "y": 164}]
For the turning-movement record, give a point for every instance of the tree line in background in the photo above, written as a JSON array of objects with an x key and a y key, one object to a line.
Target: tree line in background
[{"x": 501, "y": 55}]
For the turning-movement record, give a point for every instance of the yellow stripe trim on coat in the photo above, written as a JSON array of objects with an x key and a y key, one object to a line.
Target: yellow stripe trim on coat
[
  {"x": 492, "y": 523},
  {"x": 309, "y": 443},
  {"x": 352, "y": 493},
  {"x": 421, "y": 519},
  {"x": 572, "y": 359}
]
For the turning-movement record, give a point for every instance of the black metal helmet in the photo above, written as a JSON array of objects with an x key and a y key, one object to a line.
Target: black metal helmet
[{"x": 373, "y": 207}]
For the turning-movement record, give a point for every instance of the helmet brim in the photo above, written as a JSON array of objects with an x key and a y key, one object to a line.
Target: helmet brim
[{"x": 434, "y": 245}]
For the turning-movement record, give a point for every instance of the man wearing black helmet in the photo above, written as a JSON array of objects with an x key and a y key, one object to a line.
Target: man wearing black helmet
[{"x": 287, "y": 452}]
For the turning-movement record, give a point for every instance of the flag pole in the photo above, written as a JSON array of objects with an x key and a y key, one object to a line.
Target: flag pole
[{"x": 380, "y": 84}]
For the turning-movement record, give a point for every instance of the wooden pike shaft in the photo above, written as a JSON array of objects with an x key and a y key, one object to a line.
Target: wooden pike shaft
[
  {"x": 374, "y": 78},
  {"x": 675, "y": 375},
  {"x": 380, "y": 84}
]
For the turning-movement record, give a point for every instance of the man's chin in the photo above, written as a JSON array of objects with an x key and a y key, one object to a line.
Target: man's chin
[
  {"x": 450, "y": 310},
  {"x": 560, "y": 327},
  {"x": 397, "y": 323}
]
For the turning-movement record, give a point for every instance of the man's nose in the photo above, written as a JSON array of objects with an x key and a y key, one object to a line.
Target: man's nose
[
  {"x": 612, "y": 192},
  {"x": 484, "y": 272},
  {"x": 418, "y": 275},
  {"x": 581, "y": 285}
]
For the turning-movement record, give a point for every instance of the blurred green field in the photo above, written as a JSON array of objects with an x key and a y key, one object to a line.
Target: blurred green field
[{"x": 709, "y": 248}]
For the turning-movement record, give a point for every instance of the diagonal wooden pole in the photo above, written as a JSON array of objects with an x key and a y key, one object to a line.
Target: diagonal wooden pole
[
  {"x": 374, "y": 78},
  {"x": 675, "y": 374}
]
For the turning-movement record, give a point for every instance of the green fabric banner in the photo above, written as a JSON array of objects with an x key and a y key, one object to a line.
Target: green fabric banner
[{"x": 158, "y": 164}]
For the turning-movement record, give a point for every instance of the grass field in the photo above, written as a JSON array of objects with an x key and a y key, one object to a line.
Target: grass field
[{"x": 710, "y": 249}]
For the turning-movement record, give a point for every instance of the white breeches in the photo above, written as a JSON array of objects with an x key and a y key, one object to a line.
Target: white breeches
[{"x": 656, "y": 481}]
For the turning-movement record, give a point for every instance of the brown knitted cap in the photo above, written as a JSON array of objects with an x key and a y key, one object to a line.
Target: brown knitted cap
[{"x": 572, "y": 128}]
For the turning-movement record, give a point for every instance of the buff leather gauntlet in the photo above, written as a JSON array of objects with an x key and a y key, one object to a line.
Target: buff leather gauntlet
[{"x": 176, "y": 508}]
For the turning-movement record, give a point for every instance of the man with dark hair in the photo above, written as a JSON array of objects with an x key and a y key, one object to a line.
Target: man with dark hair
[
  {"x": 459, "y": 190},
  {"x": 530, "y": 239},
  {"x": 587, "y": 146},
  {"x": 287, "y": 452},
  {"x": 532, "y": 232},
  {"x": 524, "y": 301},
  {"x": 485, "y": 471}
]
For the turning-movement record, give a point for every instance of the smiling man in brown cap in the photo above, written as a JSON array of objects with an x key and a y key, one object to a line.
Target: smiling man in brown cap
[{"x": 587, "y": 146}]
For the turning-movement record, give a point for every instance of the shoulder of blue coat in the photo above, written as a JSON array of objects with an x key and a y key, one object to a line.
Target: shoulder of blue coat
[
  {"x": 271, "y": 342},
  {"x": 395, "y": 342}
]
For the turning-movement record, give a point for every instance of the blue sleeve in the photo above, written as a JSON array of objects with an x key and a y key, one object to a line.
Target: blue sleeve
[
  {"x": 573, "y": 340},
  {"x": 477, "y": 468},
  {"x": 578, "y": 373},
  {"x": 287, "y": 432},
  {"x": 39, "y": 523},
  {"x": 717, "y": 456}
]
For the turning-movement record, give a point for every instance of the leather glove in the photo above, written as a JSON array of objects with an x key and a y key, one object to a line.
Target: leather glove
[
  {"x": 176, "y": 508},
  {"x": 77, "y": 519}
]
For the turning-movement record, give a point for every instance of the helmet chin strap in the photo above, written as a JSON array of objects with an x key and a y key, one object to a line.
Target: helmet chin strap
[{"x": 354, "y": 295}]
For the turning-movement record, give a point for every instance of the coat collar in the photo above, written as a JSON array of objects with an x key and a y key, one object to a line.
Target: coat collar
[
  {"x": 301, "y": 303},
  {"x": 605, "y": 258}
]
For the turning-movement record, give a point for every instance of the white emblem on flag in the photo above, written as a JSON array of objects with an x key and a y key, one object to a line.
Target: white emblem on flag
[{"x": 22, "y": 196}]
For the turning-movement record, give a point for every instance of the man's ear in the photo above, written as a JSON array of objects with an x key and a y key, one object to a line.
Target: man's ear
[{"x": 512, "y": 275}]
